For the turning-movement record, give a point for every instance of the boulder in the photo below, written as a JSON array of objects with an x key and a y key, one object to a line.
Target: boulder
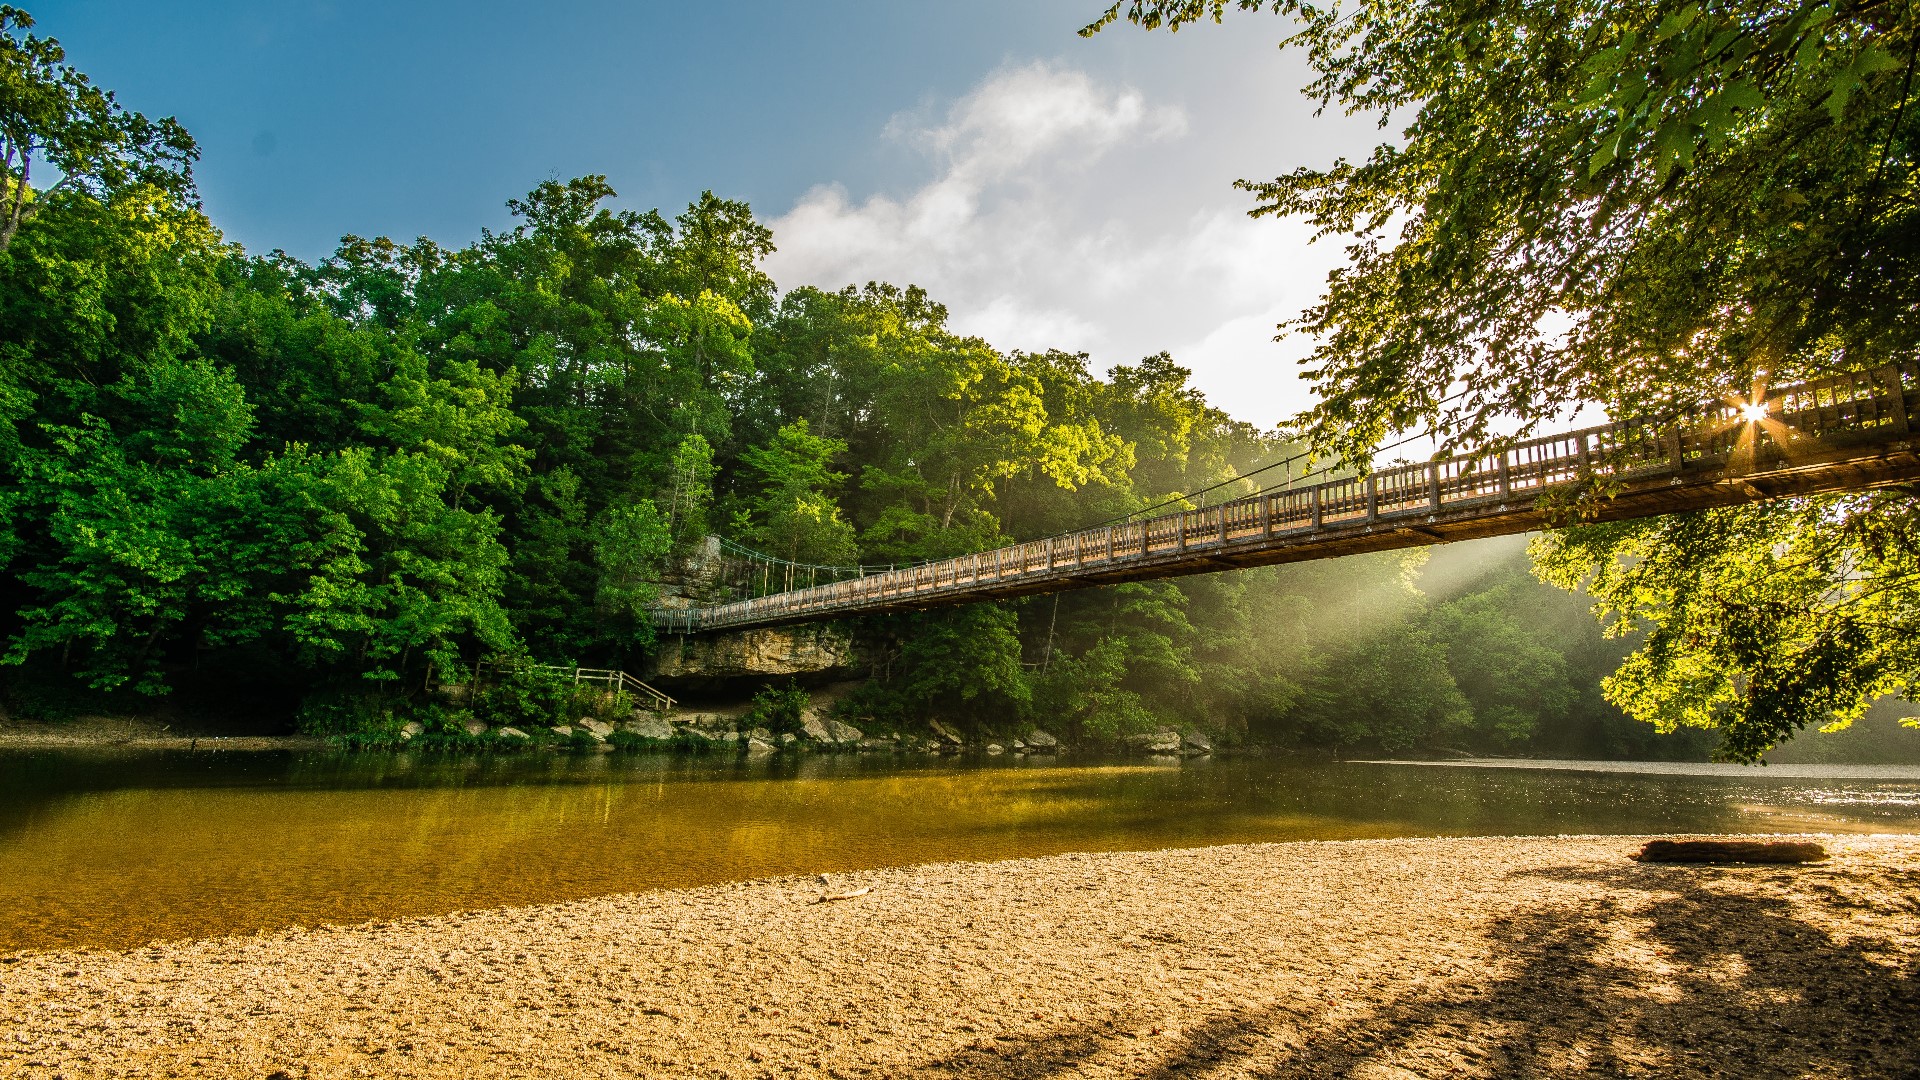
[
  {"x": 412, "y": 728},
  {"x": 843, "y": 732},
  {"x": 757, "y": 747},
  {"x": 476, "y": 729},
  {"x": 513, "y": 734},
  {"x": 1198, "y": 742},
  {"x": 788, "y": 738},
  {"x": 995, "y": 748},
  {"x": 600, "y": 728},
  {"x": 562, "y": 730},
  {"x": 816, "y": 729},
  {"x": 762, "y": 734},
  {"x": 649, "y": 727},
  {"x": 1018, "y": 745},
  {"x": 1040, "y": 740},
  {"x": 1164, "y": 741},
  {"x": 945, "y": 732}
]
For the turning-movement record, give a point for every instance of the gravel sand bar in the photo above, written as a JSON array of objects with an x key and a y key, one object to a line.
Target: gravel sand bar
[{"x": 1373, "y": 958}]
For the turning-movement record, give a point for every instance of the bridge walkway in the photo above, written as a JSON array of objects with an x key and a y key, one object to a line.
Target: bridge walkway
[{"x": 1846, "y": 432}]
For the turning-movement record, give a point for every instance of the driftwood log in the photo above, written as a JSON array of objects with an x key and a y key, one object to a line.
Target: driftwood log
[{"x": 1730, "y": 851}]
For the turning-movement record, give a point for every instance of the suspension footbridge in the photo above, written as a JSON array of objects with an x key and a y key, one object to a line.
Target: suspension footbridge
[{"x": 1847, "y": 432}]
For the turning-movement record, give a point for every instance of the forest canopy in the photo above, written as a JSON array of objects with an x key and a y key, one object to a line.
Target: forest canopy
[
  {"x": 1640, "y": 205},
  {"x": 325, "y": 482}
]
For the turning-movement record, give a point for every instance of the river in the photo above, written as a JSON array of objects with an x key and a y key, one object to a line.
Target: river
[{"x": 114, "y": 849}]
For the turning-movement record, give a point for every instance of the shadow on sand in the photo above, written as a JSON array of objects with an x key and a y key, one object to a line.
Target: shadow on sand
[{"x": 1697, "y": 976}]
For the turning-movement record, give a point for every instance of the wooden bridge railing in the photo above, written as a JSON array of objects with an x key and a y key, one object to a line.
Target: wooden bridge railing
[
  {"x": 616, "y": 681},
  {"x": 1858, "y": 409}
]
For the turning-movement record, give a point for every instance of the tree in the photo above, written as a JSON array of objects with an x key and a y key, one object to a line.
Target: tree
[
  {"x": 1634, "y": 204},
  {"x": 1516, "y": 683},
  {"x": 53, "y": 115},
  {"x": 792, "y": 515},
  {"x": 629, "y": 545},
  {"x": 1780, "y": 615},
  {"x": 151, "y": 535},
  {"x": 962, "y": 664},
  {"x": 1643, "y": 205},
  {"x": 688, "y": 493}
]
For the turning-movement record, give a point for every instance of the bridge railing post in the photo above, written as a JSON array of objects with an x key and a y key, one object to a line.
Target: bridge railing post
[
  {"x": 1373, "y": 497},
  {"x": 1433, "y": 486},
  {"x": 1890, "y": 380},
  {"x": 1266, "y": 516},
  {"x": 1317, "y": 512}
]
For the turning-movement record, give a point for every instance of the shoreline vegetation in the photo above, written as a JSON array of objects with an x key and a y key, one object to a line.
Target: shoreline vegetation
[
  {"x": 732, "y": 731},
  {"x": 1534, "y": 956}
]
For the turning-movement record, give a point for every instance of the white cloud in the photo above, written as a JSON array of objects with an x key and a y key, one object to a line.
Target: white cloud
[{"x": 1061, "y": 212}]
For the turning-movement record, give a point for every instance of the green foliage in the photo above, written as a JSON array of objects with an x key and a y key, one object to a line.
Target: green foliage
[
  {"x": 1644, "y": 206},
  {"x": 353, "y": 713},
  {"x": 628, "y": 547},
  {"x": 1515, "y": 682},
  {"x": 779, "y": 709},
  {"x": 689, "y": 493},
  {"x": 52, "y": 115},
  {"x": 528, "y": 698},
  {"x": 965, "y": 665},
  {"x": 1762, "y": 620},
  {"x": 791, "y": 513},
  {"x": 44, "y": 693},
  {"x": 1674, "y": 180},
  {"x": 1084, "y": 694},
  {"x": 1394, "y": 692}
]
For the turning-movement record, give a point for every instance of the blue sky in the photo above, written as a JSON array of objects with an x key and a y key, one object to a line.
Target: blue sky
[{"x": 1052, "y": 191}]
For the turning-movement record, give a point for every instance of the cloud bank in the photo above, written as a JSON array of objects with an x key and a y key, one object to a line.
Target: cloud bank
[{"x": 1061, "y": 212}]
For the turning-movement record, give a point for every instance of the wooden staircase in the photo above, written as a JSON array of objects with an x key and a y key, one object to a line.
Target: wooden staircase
[{"x": 615, "y": 680}]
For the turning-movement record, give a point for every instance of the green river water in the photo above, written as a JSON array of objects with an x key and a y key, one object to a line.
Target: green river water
[{"x": 114, "y": 849}]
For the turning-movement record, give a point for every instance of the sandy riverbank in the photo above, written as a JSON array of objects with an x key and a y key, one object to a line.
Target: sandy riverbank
[
  {"x": 138, "y": 733},
  {"x": 1467, "y": 957}
]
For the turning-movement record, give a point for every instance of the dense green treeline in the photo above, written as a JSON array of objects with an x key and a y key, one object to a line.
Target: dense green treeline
[
  {"x": 331, "y": 478},
  {"x": 251, "y": 481}
]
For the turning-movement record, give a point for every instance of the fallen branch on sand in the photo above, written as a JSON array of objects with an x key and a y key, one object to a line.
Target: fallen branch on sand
[
  {"x": 847, "y": 895},
  {"x": 1730, "y": 851}
]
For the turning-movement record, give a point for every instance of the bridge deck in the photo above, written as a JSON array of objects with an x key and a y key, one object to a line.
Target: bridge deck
[{"x": 1847, "y": 432}]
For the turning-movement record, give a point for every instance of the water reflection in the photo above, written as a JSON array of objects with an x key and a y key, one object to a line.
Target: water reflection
[{"x": 118, "y": 849}]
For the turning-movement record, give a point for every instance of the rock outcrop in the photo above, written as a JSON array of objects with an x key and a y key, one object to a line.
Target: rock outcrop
[
  {"x": 811, "y": 652},
  {"x": 648, "y": 726}
]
